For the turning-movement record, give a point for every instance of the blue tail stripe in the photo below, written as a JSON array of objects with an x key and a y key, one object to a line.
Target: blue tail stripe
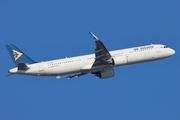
[{"x": 18, "y": 56}]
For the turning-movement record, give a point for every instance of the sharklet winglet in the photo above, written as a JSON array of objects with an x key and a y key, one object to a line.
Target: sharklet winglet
[{"x": 95, "y": 38}]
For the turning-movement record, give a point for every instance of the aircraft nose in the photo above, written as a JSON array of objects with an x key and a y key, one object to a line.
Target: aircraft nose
[{"x": 172, "y": 52}]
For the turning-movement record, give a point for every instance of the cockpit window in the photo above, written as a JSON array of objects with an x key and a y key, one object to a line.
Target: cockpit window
[{"x": 165, "y": 46}]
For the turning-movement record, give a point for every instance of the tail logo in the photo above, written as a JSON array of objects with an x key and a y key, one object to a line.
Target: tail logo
[{"x": 16, "y": 54}]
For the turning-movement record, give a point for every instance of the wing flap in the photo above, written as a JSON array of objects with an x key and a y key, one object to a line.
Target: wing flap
[{"x": 75, "y": 75}]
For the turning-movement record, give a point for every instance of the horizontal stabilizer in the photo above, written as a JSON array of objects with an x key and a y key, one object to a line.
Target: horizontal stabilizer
[
  {"x": 9, "y": 74},
  {"x": 22, "y": 66}
]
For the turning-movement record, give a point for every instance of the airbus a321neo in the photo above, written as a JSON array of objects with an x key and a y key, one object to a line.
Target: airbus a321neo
[{"x": 101, "y": 63}]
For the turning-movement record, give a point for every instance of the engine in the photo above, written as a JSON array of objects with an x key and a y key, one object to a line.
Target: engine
[
  {"x": 120, "y": 60},
  {"x": 105, "y": 73}
]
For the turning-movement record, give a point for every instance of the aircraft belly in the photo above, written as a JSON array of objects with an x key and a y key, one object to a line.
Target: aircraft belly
[
  {"x": 64, "y": 69},
  {"x": 87, "y": 67},
  {"x": 69, "y": 69}
]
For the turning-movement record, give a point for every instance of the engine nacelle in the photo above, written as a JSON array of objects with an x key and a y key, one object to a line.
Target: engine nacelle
[
  {"x": 105, "y": 73},
  {"x": 120, "y": 60}
]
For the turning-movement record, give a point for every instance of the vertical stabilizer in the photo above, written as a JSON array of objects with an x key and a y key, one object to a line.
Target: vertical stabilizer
[{"x": 18, "y": 56}]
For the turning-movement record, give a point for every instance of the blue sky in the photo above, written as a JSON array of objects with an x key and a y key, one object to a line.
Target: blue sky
[{"x": 47, "y": 30}]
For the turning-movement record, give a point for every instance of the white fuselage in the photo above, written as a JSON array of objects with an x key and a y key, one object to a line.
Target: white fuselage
[{"x": 84, "y": 63}]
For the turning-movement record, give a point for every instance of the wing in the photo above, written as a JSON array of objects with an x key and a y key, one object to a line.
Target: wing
[
  {"x": 102, "y": 55},
  {"x": 102, "y": 64}
]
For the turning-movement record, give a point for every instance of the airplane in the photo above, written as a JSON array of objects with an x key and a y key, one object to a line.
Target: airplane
[{"x": 101, "y": 63}]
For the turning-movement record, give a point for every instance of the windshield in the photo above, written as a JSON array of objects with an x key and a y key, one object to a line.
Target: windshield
[{"x": 165, "y": 46}]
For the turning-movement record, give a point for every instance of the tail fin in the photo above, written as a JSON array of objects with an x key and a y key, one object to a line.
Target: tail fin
[{"x": 18, "y": 56}]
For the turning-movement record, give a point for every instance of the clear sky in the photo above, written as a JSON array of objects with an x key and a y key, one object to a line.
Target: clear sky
[{"x": 47, "y": 30}]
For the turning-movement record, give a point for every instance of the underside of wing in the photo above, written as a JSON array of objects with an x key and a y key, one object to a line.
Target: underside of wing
[
  {"x": 102, "y": 55},
  {"x": 103, "y": 64}
]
